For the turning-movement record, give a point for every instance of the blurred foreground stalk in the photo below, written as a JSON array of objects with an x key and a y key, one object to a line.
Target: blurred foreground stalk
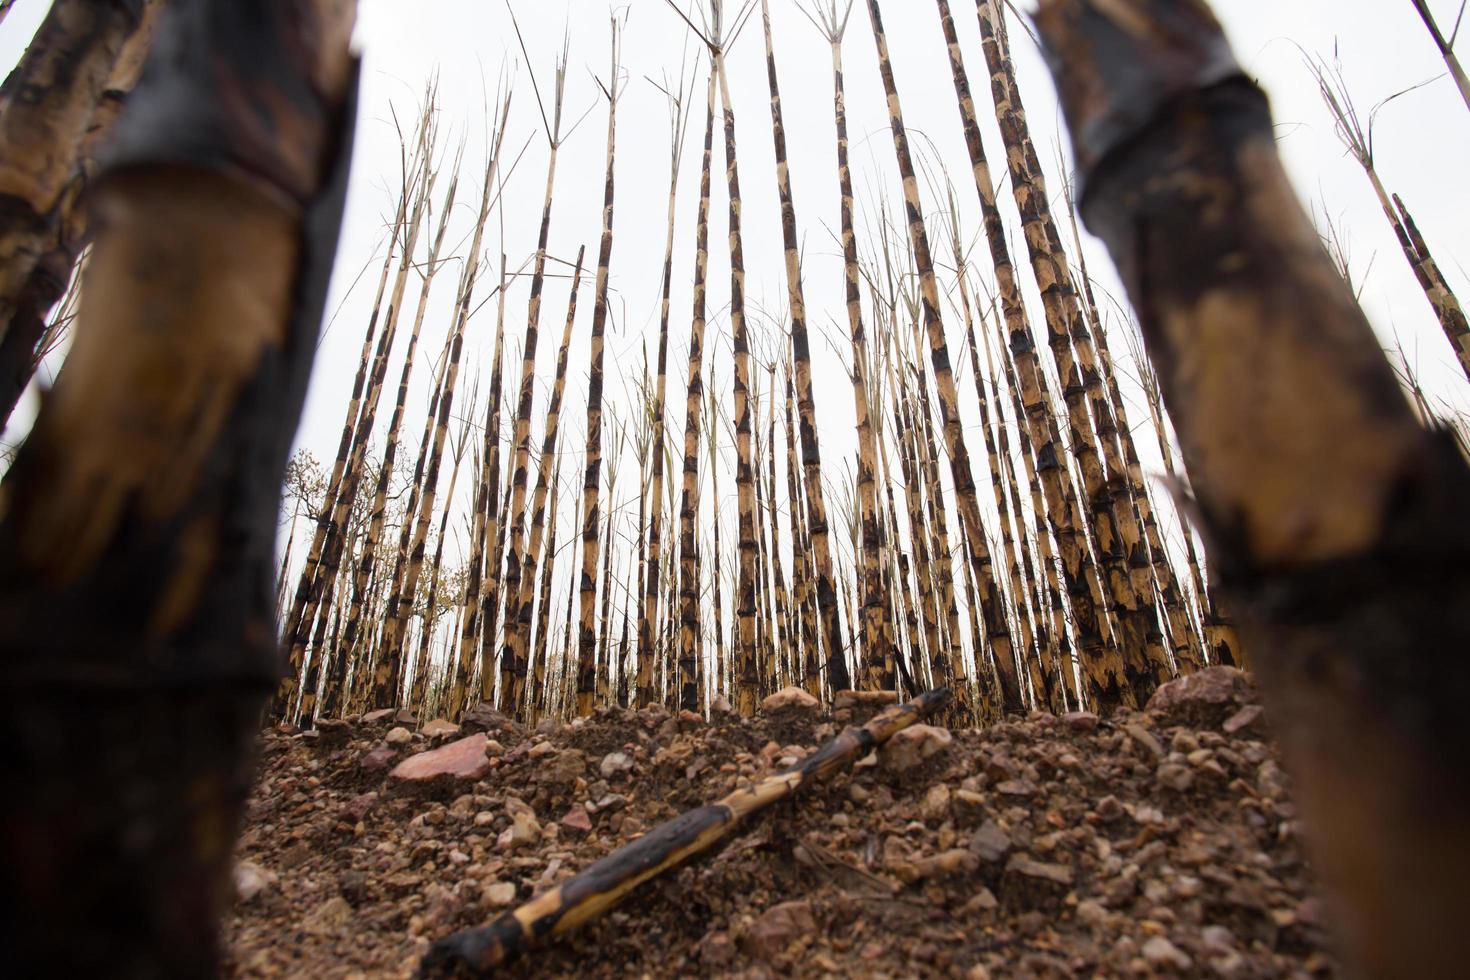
[
  {"x": 1336, "y": 522},
  {"x": 137, "y": 526}
]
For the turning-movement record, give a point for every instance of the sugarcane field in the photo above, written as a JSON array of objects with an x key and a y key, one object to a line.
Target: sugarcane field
[{"x": 734, "y": 488}]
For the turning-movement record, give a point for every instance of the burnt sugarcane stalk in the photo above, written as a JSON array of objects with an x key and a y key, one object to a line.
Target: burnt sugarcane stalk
[
  {"x": 53, "y": 245},
  {"x": 665, "y": 847},
  {"x": 137, "y": 526},
  {"x": 1335, "y": 521}
]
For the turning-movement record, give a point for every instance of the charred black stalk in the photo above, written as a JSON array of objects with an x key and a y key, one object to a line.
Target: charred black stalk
[
  {"x": 1335, "y": 521},
  {"x": 665, "y": 847},
  {"x": 137, "y": 527}
]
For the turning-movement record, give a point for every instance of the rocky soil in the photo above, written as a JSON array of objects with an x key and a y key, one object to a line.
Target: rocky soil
[{"x": 1159, "y": 843}]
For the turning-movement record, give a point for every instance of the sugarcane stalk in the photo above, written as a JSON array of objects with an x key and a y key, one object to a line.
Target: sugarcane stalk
[
  {"x": 587, "y": 688},
  {"x": 54, "y": 243},
  {"x": 1334, "y": 519},
  {"x": 1446, "y": 48},
  {"x": 690, "y": 647},
  {"x": 667, "y": 846},
  {"x": 966, "y": 499},
  {"x": 137, "y": 525}
]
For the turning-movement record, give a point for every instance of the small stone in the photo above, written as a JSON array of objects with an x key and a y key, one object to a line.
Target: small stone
[
  {"x": 577, "y": 819},
  {"x": 1080, "y": 721},
  {"x": 484, "y": 718},
  {"x": 565, "y": 768},
  {"x": 1176, "y": 777},
  {"x": 914, "y": 745},
  {"x": 614, "y": 763},
  {"x": 439, "y": 728},
  {"x": 359, "y": 807},
  {"x": 406, "y": 718},
  {"x": 524, "y": 831},
  {"x": 936, "y": 803},
  {"x": 946, "y": 863},
  {"x": 398, "y": 737},
  {"x": 332, "y": 732},
  {"x": 1056, "y": 873},
  {"x": 1145, "y": 740},
  {"x": 500, "y": 894},
  {"x": 778, "y": 927},
  {"x": 328, "y": 917},
  {"x": 983, "y": 901},
  {"x": 790, "y": 699},
  {"x": 1016, "y": 787},
  {"x": 716, "y": 950},
  {"x": 251, "y": 881},
  {"x": 378, "y": 759},
  {"x": 380, "y": 717},
  {"x": 1160, "y": 952},
  {"x": 1203, "y": 699},
  {"x": 721, "y": 706},
  {"x": 464, "y": 759},
  {"x": 1272, "y": 780},
  {"x": 1217, "y": 940},
  {"x": 1250, "y": 720},
  {"x": 1108, "y": 809},
  {"x": 1092, "y": 912},
  {"x": 990, "y": 843}
]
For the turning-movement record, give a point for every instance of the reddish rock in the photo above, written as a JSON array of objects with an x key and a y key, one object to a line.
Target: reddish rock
[
  {"x": 380, "y": 717},
  {"x": 778, "y": 928},
  {"x": 359, "y": 807},
  {"x": 464, "y": 759},
  {"x": 790, "y": 699},
  {"x": 378, "y": 759},
  {"x": 1080, "y": 721},
  {"x": 439, "y": 728},
  {"x": 576, "y": 819},
  {"x": 1203, "y": 699},
  {"x": 1250, "y": 720}
]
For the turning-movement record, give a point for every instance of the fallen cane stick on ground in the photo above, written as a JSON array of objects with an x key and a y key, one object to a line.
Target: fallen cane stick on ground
[{"x": 667, "y": 846}]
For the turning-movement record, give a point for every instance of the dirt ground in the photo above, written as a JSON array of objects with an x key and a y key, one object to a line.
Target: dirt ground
[{"x": 1158, "y": 843}]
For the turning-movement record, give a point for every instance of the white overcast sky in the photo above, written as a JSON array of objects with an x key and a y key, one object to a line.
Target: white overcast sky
[{"x": 1423, "y": 141}]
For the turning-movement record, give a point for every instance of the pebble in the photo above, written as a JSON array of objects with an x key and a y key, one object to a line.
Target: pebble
[
  {"x": 439, "y": 728},
  {"x": 464, "y": 759},
  {"x": 500, "y": 894},
  {"x": 990, "y": 843},
  {"x": 1160, "y": 952},
  {"x": 252, "y": 881},
  {"x": 790, "y": 699},
  {"x": 1080, "y": 721},
  {"x": 914, "y": 745},
  {"x": 778, "y": 927}
]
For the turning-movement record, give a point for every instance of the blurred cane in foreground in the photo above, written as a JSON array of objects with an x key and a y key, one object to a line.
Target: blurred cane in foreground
[
  {"x": 137, "y": 526},
  {"x": 1337, "y": 523}
]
